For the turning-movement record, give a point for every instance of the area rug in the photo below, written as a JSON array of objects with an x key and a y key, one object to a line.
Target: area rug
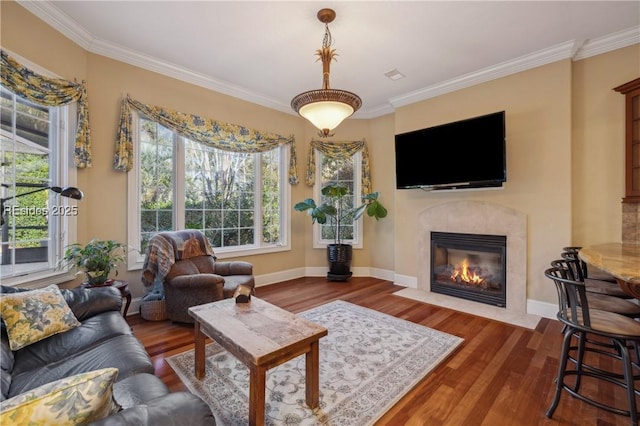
[{"x": 368, "y": 361}]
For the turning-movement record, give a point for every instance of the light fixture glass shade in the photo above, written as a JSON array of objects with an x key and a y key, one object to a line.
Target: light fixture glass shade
[
  {"x": 326, "y": 108},
  {"x": 326, "y": 114}
]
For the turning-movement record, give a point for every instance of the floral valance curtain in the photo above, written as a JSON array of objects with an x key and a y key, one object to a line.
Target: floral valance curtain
[
  {"x": 51, "y": 92},
  {"x": 228, "y": 137},
  {"x": 339, "y": 150}
]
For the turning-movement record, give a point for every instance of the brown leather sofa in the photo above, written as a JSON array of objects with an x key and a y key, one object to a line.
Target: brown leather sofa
[
  {"x": 190, "y": 274},
  {"x": 104, "y": 339}
]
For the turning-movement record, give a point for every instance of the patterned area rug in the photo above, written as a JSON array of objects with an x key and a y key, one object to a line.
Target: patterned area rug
[{"x": 368, "y": 362}]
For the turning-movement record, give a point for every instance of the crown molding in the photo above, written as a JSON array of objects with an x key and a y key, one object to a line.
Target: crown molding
[
  {"x": 575, "y": 50},
  {"x": 46, "y": 11},
  {"x": 608, "y": 43},
  {"x": 523, "y": 63},
  {"x": 123, "y": 54}
]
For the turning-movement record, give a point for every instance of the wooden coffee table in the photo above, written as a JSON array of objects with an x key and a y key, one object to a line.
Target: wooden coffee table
[{"x": 262, "y": 336}]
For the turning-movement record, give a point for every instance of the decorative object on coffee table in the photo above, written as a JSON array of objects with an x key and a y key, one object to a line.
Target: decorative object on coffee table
[{"x": 243, "y": 294}]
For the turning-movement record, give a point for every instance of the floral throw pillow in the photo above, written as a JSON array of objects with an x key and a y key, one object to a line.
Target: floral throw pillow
[
  {"x": 31, "y": 316},
  {"x": 73, "y": 400}
]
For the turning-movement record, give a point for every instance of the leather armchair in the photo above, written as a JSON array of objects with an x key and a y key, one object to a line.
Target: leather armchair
[{"x": 194, "y": 276}]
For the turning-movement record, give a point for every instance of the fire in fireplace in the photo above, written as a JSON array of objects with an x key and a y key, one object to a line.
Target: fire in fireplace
[{"x": 470, "y": 266}]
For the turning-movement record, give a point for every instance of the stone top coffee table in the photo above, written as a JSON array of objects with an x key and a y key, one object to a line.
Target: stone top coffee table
[{"x": 261, "y": 336}]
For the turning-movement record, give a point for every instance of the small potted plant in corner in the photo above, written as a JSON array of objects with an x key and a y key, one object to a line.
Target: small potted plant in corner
[
  {"x": 96, "y": 259},
  {"x": 334, "y": 209}
]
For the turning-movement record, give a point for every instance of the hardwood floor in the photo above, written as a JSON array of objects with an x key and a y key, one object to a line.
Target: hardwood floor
[{"x": 501, "y": 375}]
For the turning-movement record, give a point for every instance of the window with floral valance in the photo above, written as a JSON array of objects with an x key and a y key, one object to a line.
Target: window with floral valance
[
  {"x": 219, "y": 135},
  {"x": 51, "y": 92},
  {"x": 335, "y": 149},
  {"x": 190, "y": 172},
  {"x": 339, "y": 162},
  {"x": 38, "y": 132}
]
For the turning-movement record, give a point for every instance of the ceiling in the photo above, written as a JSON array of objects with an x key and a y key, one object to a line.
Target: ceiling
[{"x": 263, "y": 51}]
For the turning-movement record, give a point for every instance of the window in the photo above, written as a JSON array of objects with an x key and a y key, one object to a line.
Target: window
[
  {"x": 35, "y": 154},
  {"x": 345, "y": 171},
  {"x": 236, "y": 199}
]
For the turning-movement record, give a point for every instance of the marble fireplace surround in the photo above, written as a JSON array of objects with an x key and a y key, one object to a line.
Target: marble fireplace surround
[{"x": 477, "y": 217}]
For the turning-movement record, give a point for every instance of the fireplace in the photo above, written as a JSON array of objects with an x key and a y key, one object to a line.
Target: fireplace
[
  {"x": 478, "y": 218},
  {"x": 469, "y": 266}
]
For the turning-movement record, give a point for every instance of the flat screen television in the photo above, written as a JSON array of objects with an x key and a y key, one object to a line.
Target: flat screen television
[{"x": 468, "y": 153}]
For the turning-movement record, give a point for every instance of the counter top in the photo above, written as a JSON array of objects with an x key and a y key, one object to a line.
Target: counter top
[{"x": 622, "y": 260}]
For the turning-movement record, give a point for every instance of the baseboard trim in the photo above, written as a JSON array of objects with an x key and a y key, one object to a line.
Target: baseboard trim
[{"x": 534, "y": 307}]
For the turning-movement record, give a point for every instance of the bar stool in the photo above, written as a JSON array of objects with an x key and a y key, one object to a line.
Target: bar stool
[
  {"x": 601, "y": 301},
  {"x": 585, "y": 325}
]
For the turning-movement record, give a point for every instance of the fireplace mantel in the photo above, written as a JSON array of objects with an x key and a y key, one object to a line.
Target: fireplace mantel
[{"x": 477, "y": 217}]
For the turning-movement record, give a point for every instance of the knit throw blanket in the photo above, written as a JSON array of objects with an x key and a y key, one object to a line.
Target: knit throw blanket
[{"x": 166, "y": 248}]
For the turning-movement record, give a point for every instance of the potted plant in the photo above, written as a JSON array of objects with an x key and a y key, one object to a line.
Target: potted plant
[
  {"x": 335, "y": 210},
  {"x": 96, "y": 259}
]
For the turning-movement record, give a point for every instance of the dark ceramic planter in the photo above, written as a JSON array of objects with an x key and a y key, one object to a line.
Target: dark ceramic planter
[{"x": 339, "y": 257}]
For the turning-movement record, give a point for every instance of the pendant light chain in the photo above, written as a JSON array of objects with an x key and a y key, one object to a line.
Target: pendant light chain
[{"x": 327, "y": 41}]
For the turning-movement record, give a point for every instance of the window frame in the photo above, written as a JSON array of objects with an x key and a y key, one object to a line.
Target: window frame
[
  {"x": 356, "y": 242},
  {"x": 136, "y": 258},
  {"x": 64, "y": 173}
]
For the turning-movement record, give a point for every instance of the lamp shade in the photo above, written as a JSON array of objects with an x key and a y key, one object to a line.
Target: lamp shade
[
  {"x": 69, "y": 192},
  {"x": 326, "y": 114}
]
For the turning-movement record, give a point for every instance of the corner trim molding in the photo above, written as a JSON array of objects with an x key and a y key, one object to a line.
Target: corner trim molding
[{"x": 608, "y": 43}]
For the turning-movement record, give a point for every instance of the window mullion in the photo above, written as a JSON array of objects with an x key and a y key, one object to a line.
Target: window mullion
[
  {"x": 284, "y": 196},
  {"x": 257, "y": 200},
  {"x": 179, "y": 182},
  {"x": 55, "y": 178},
  {"x": 133, "y": 198}
]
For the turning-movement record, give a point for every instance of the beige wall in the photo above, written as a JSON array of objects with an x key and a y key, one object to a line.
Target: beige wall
[
  {"x": 380, "y": 235},
  {"x": 598, "y": 144},
  {"x": 27, "y": 36},
  {"x": 564, "y": 150},
  {"x": 538, "y": 125}
]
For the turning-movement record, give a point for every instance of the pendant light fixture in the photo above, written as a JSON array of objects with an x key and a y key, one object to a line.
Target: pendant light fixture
[{"x": 326, "y": 108}]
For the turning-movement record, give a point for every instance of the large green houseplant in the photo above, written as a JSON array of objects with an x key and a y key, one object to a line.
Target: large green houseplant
[
  {"x": 96, "y": 259},
  {"x": 336, "y": 210}
]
